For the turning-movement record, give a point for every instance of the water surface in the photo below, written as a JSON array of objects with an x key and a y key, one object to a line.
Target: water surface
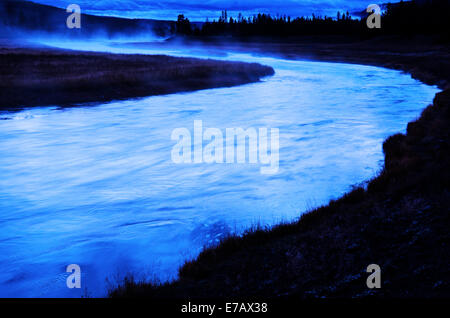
[{"x": 96, "y": 186}]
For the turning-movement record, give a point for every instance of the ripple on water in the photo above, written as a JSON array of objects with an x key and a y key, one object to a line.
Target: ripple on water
[{"x": 96, "y": 186}]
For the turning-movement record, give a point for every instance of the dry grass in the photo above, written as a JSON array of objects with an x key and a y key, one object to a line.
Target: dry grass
[{"x": 43, "y": 77}]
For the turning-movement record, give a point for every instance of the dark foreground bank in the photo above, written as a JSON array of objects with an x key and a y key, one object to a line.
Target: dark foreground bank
[
  {"x": 41, "y": 77},
  {"x": 399, "y": 220}
]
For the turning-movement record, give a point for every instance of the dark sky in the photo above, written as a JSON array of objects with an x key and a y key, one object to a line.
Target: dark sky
[{"x": 199, "y": 10}]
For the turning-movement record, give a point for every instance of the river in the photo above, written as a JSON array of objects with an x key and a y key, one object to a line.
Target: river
[{"x": 96, "y": 186}]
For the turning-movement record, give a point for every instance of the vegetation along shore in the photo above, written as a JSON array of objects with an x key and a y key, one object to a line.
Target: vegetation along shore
[
  {"x": 398, "y": 220},
  {"x": 41, "y": 77}
]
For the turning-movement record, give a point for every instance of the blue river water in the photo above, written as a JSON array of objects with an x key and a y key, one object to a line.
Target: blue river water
[{"x": 96, "y": 186}]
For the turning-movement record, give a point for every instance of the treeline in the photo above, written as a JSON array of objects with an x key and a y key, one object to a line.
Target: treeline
[
  {"x": 421, "y": 16},
  {"x": 426, "y": 16}
]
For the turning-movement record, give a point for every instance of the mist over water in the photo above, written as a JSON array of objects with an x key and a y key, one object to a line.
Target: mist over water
[
  {"x": 29, "y": 21},
  {"x": 96, "y": 186}
]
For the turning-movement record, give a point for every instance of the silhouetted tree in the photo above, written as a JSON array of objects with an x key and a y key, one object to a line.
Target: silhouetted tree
[{"x": 183, "y": 25}]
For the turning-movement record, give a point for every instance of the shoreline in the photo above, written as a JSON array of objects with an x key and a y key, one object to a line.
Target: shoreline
[
  {"x": 425, "y": 59},
  {"x": 398, "y": 221},
  {"x": 32, "y": 77}
]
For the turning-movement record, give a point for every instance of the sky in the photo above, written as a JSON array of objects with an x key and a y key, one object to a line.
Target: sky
[{"x": 199, "y": 10}]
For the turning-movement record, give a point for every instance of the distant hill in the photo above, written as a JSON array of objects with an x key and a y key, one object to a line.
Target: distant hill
[{"x": 31, "y": 18}]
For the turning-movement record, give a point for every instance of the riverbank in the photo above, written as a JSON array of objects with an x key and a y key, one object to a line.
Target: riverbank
[
  {"x": 398, "y": 220},
  {"x": 426, "y": 58},
  {"x": 40, "y": 77}
]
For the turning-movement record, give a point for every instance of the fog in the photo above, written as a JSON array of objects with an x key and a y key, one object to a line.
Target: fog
[{"x": 25, "y": 21}]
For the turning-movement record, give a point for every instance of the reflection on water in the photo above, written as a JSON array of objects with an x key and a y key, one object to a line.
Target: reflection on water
[{"x": 96, "y": 186}]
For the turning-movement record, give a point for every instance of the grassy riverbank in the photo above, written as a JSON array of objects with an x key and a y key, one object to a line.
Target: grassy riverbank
[
  {"x": 426, "y": 58},
  {"x": 41, "y": 77},
  {"x": 399, "y": 220}
]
